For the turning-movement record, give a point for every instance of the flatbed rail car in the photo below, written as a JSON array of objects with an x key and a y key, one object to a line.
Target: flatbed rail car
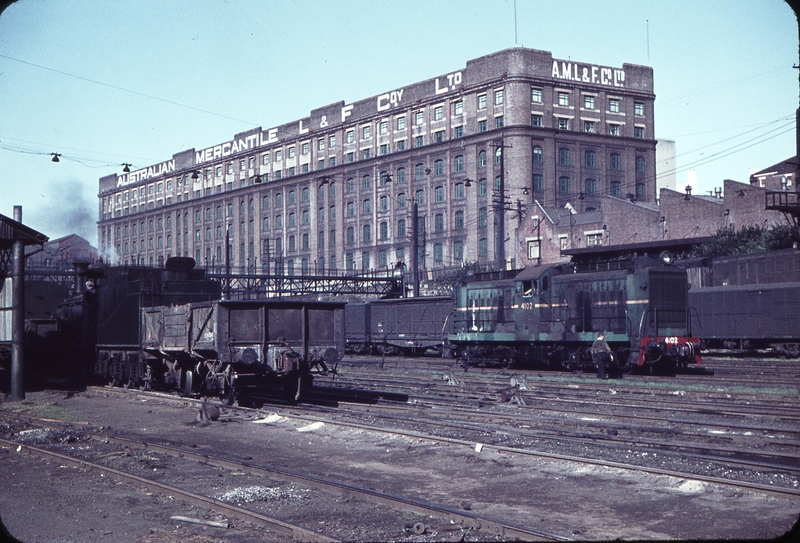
[
  {"x": 240, "y": 350},
  {"x": 550, "y": 315},
  {"x": 408, "y": 326}
]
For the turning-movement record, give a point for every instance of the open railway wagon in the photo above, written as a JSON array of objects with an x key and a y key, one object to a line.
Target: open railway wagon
[
  {"x": 111, "y": 312},
  {"x": 549, "y": 316},
  {"x": 241, "y": 350},
  {"x": 749, "y": 302},
  {"x": 408, "y": 326}
]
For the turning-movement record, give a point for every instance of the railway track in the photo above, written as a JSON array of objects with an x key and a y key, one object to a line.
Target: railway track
[
  {"x": 451, "y": 520},
  {"x": 483, "y": 426}
]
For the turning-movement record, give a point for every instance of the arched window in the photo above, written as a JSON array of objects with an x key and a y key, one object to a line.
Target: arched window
[{"x": 482, "y": 159}]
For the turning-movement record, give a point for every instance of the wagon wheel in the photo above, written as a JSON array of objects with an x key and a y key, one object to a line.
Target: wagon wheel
[
  {"x": 226, "y": 394},
  {"x": 188, "y": 380}
]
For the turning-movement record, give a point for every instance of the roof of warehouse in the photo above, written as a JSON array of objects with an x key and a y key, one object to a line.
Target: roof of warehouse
[
  {"x": 11, "y": 230},
  {"x": 649, "y": 248}
]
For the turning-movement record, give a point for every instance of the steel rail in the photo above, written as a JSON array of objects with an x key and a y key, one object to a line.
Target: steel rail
[
  {"x": 297, "y": 532},
  {"x": 467, "y": 520}
]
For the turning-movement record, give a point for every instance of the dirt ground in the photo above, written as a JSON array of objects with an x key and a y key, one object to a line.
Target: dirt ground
[{"x": 46, "y": 502}]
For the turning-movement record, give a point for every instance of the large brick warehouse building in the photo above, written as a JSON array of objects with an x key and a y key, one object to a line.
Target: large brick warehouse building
[{"x": 475, "y": 149}]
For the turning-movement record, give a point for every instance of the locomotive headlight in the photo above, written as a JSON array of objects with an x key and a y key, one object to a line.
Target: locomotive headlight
[{"x": 666, "y": 258}]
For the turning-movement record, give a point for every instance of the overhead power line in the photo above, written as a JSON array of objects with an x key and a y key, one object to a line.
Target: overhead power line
[{"x": 116, "y": 87}]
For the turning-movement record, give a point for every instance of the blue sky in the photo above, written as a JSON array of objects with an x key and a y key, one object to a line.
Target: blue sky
[{"x": 104, "y": 82}]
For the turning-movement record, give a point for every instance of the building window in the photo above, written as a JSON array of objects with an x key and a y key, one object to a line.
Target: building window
[
  {"x": 563, "y": 157},
  {"x": 458, "y": 107},
  {"x": 638, "y": 109},
  {"x": 383, "y": 230},
  {"x": 534, "y": 251},
  {"x": 498, "y": 121},
  {"x": 401, "y": 200},
  {"x": 401, "y": 145},
  {"x": 350, "y": 185},
  {"x": 350, "y": 136},
  {"x": 613, "y": 105},
  {"x": 538, "y": 156},
  {"x": 640, "y": 164},
  {"x": 383, "y": 149},
  {"x": 438, "y": 113},
  {"x": 536, "y": 95},
  {"x": 420, "y": 197},
  {"x": 365, "y": 260},
  {"x": 304, "y": 217},
  {"x": 589, "y": 159},
  {"x": 594, "y": 239},
  {"x": 401, "y": 228},
  {"x": 458, "y": 165},
  {"x": 419, "y": 141},
  {"x": 419, "y": 118},
  {"x": 482, "y": 127},
  {"x": 563, "y": 185},
  {"x": 458, "y": 132},
  {"x": 481, "y": 101},
  {"x": 438, "y": 223},
  {"x": 438, "y": 137},
  {"x": 366, "y": 232},
  {"x": 401, "y": 123},
  {"x": 419, "y": 172},
  {"x": 366, "y": 132},
  {"x": 350, "y": 235},
  {"x": 438, "y": 194},
  {"x": 563, "y": 124},
  {"x": 482, "y": 187},
  {"x": 641, "y": 196},
  {"x": 483, "y": 248},
  {"x": 459, "y": 191},
  {"x": 538, "y": 182},
  {"x": 437, "y": 252},
  {"x": 438, "y": 167},
  {"x": 588, "y": 102},
  {"x": 588, "y": 126},
  {"x": 638, "y": 132},
  {"x": 616, "y": 161},
  {"x": 458, "y": 219},
  {"x": 351, "y": 209},
  {"x": 366, "y": 182},
  {"x": 563, "y": 99},
  {"x": 401, "y": 175},
  {"x": 482, "y": 159},
  {"x": 483, "y": 219},
  {"x": 537, "y": 120},
  {"x": 383, "y": 203},
  {"x": 616, "y": 189},
  {"x": 614, "y": 130},
  {"x": 366, "y": 207},
  {"x": 591, "y": 187},
  {"x": 498, "y": 97}
]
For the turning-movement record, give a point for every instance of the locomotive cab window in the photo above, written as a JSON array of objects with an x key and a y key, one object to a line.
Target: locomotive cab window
[{"x": 528, "y": 288}]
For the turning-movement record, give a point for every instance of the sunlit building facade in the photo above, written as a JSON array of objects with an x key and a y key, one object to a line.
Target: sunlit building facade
[{"x": 334, "y": 191}]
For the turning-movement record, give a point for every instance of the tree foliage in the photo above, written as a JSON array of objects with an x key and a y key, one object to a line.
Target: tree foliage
[{"x": 748, "y": 239}]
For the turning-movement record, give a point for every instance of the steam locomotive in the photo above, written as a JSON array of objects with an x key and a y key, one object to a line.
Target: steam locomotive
[{"x": 168, "y": 328}]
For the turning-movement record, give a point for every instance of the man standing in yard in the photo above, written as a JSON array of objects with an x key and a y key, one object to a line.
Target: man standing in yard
[{"x": 601, "y": 354}]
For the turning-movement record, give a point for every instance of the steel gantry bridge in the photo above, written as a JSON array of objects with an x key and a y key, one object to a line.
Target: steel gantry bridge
[{"x": 254, "y": 287}]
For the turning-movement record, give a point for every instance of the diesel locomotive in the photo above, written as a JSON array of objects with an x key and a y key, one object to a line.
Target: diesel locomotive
[{"x": 548, "y": 316}]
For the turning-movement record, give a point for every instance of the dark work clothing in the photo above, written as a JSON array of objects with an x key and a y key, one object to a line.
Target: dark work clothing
[{"x": 601, "y": 354}]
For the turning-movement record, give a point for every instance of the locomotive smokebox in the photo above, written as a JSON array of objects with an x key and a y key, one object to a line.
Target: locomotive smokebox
[{"x": 179, "y": 268}]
